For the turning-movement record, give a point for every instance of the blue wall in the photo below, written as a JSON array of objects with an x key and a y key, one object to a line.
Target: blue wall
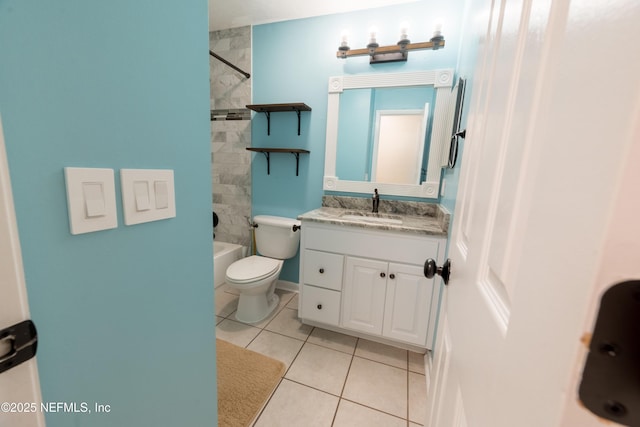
[
  {"x": 474, "y": 28},
  {"x": 292, "y": 62},
  {"x": 125, "y": 316}
]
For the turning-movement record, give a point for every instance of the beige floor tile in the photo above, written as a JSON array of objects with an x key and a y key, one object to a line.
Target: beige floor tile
[
  {"x": 414, "y": 425},
  {"x": 417, "y": 398},
  {"x": 277, "y": 346},
  {"x": 382, "y": 353},
  {"x": 287, "y": 323},
  {"x": 293, "y": 404},
  {"x": 416, "y": 362},
  {"x": 285, "y": 296},
  {"x": 226, "y": 303},
  {"x": 236, "y": 333},
  {"x": 377, "y": 386},
  {"x": 226, "y": 288},
  {"x": 219, "y": 319},
  {"x": 294, "y": 302},
  {"x": 321, "y": 368},
  {"x": 334, "y": 340},
  {"x": 353, "y": 415}
]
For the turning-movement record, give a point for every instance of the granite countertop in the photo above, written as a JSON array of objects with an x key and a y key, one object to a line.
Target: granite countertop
[{"x": 408, "y": 217}]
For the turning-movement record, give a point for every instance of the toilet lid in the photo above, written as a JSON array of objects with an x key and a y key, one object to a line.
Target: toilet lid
[{"x": 252, "y": 268}]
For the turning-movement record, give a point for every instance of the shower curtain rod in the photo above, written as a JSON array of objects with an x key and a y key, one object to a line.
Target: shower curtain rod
[{"x": 219, "y": 58}]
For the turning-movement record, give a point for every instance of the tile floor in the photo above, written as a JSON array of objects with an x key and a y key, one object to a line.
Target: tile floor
[{"x": 331, "y": 379}]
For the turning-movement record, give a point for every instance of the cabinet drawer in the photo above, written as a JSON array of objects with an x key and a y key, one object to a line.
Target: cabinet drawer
[
  {"x": 384, "y": 245},
  {"x": 323, "y": 269},
  {"x": 320, "y": 305}
]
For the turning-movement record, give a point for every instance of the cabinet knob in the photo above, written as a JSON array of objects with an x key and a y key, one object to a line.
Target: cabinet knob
[
  {"x": 321, "y": 271},
  {"x": 382, "y": 275},
  {"x": 319, "y": 306},
  {"x": 392, "y": 276}
]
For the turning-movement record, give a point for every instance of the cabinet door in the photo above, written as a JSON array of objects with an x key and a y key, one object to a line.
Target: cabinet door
[
  {"x": 407, "y": 304},
  {"x": 363, "y": 295}
]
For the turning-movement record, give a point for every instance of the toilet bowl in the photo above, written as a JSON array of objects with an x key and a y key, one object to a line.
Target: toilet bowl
[{"x": 255, "y": 277}]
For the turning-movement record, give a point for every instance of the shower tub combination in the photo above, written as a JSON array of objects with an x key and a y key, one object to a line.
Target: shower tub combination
[{"x": 224, "y": 254}]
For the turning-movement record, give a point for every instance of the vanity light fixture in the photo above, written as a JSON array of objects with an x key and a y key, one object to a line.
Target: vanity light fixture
[{"x": 393, "y": 53}]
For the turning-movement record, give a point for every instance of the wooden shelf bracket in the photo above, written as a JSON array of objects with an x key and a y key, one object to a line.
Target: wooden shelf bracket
[{"x": 267, "y": 154}]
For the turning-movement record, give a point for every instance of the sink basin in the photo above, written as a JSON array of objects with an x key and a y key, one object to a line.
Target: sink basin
[{"x": 373, "y": 217}]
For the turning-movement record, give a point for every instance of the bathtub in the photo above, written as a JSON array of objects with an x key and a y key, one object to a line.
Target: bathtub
[{"x": 224, "y": 254}]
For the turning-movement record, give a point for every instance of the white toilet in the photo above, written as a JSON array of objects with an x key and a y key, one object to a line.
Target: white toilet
[{"x": 255, "y": 277}]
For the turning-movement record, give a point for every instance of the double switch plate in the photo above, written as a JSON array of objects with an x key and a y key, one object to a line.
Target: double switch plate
[{"x": 147, "y": 195}]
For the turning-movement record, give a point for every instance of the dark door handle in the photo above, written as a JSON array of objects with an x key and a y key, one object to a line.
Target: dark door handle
[
  {"x": 609, "y": 386},
  {"x": 431, "y": 269},
  {"x": 23, "y": 339}
]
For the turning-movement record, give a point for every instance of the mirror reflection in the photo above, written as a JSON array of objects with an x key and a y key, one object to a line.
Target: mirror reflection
[
  {"x": 356, "y": 151},
  {"x": 398, "y": 146},
  {"x": 383, "y": 134}
]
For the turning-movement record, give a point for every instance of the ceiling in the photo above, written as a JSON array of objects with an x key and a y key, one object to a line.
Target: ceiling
[{"x": 225, "y": 14}]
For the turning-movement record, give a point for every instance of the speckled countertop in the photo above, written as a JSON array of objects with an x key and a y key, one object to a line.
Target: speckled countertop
[{"x": 408, "y": 217}]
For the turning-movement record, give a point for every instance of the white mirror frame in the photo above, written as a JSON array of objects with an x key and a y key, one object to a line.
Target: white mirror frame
[{"x": 442, "y": 81}]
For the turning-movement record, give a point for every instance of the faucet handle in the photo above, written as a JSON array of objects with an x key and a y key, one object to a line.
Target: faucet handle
[{"x": 376, "y": 201}]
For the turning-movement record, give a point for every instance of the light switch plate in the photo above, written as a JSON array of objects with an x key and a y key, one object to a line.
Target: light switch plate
[
  {"x": 91, "y": 199},
  {"x": 147, "y": 195}
]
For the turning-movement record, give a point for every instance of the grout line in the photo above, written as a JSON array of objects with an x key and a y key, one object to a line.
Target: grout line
[
  {"x": 382, "y": 363},
  {"x": 407, "y": 388},
  {"x": 257, "y": 417},
  {"x": 344, "y": 384},
  {"x": 373, "y": 409},
  {"x": 298, "y": 353},
  {"x": 349, "y": 370},
  {"x": 285, "y": 372}
]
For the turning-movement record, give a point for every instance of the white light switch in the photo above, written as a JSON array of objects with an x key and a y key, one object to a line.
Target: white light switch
[
  {"x": 141, "y": 193},
  {"x": 91, "y": 199},
  {"x": 147, "y": 195},
  {"x": 162, "y": 194}
]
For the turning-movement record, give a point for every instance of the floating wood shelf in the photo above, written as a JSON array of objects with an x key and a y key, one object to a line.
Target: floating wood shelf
[
  {"x": 267, "y": 153},
  {"x": 267, "y": 109}
]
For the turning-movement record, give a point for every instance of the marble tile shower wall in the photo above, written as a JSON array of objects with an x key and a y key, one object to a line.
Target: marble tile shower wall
[{"x": 230, "y": 161}]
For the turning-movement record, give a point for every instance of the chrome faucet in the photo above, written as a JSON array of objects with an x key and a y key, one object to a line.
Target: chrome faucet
[{"x": 376, "y": 201}]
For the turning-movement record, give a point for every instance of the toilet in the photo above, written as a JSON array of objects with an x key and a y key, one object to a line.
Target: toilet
[{"x": 255, "y": 277}]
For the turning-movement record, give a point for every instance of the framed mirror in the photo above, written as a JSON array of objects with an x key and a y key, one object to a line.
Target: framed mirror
[{"x": 388, "y": 131}]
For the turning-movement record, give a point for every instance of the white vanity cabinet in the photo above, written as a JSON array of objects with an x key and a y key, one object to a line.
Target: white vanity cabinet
[{"x": 369, "y": 282}]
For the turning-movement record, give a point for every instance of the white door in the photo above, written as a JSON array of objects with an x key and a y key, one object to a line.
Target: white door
[
  {"x": 19, "y": 386},
  {"x": 555, "y": 112}
]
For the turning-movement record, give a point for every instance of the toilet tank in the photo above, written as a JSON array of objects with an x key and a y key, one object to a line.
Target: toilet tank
[{"x": 275, "y": 237}]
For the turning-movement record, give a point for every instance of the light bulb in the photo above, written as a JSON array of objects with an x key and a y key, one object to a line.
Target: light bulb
[
  {"x": 373, "y": 32},
  {"x": 437, "y": 32},
  {"x": 404, "y": 30},
  {"x": 345, "y": 39}
]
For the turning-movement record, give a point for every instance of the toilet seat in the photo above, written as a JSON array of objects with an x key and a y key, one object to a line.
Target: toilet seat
[{"x": 252, "y": 269}]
